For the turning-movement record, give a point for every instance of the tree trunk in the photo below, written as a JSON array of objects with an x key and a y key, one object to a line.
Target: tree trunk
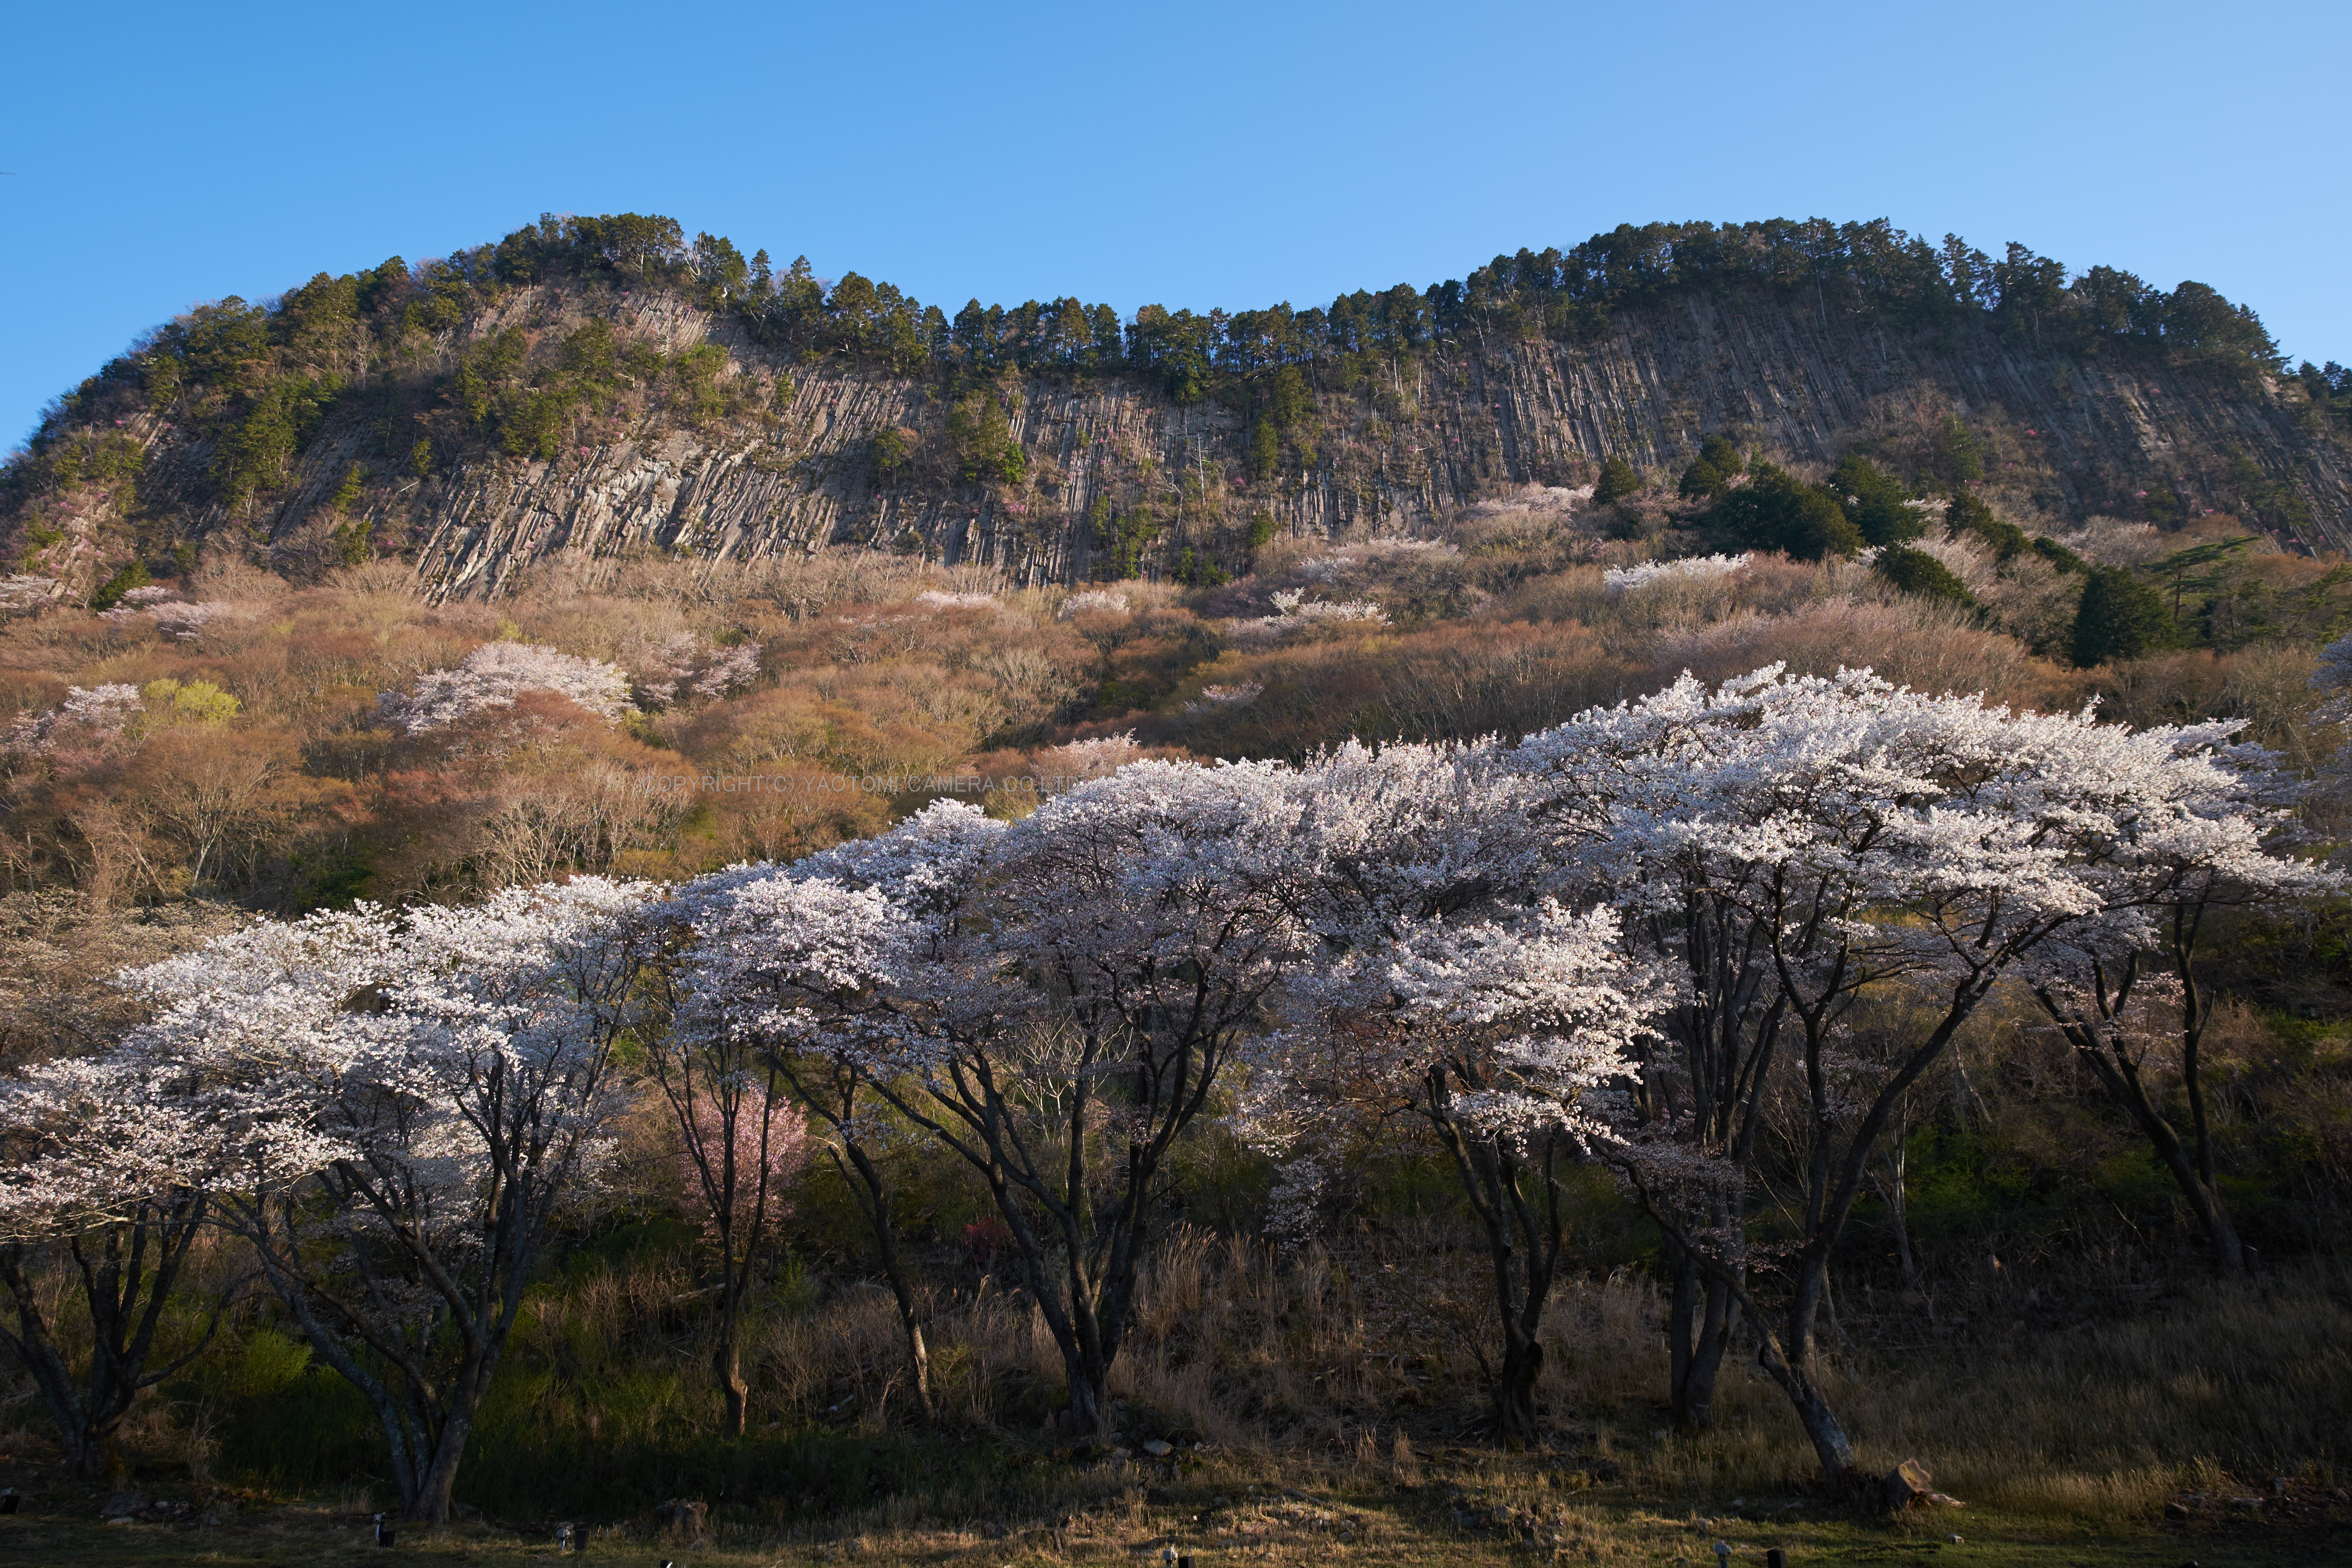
[
  {"x": 124, "y": 1292},
  {"x": 727, "y": 1367},
  {"x": 431, "y": 1504},
  {"x": 1832, "y": 1446},
  {"x": 875, "y": 1202},
  {"x": 1086, "y": 1413},
  {"x": 36, "y": 1347},
  {"x": 2121, "y": 1076},
  {"x": 1523, "y": 1243},
  {"x": 1699, "y": 1331},
  {"x": 919, "y": 1357},
  {"x": 1515, "y": 1390}
]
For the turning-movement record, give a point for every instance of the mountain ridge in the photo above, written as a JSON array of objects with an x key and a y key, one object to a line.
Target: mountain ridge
[{"x": 600, "y": 387}]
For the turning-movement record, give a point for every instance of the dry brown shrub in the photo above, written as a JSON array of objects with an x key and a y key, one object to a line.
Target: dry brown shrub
[
  {"x": 1912, "y": 643},
  {"x": 1457, "y": 680},
  {"x": 2269, "y": 685},
  {"x": 521, "y": 794},
  {"x": 1575, "y": 595},
  {"x": 229, "y": 799},
  {"x": 59, "y": 950}
]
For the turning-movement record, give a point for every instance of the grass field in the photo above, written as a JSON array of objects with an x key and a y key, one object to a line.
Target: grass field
[
  {"x": 1318, "y": 1414},
  {"x": 1457, "y": 1506}
]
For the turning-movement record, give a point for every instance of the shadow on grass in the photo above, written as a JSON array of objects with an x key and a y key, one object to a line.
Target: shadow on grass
[{"x": 316, "y": 1437}]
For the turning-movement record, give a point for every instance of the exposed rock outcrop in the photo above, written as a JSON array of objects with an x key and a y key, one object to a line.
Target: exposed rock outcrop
[{"x": 1398, "y": 451}]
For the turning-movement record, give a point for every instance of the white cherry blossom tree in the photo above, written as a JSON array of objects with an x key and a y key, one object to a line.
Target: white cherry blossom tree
[
  {"x": 493, "y": 675},
  {"x": 405, "y": 1103},
  {"x": 1858, "y": 840},
  {"x": 1452, "y": 987},
  {"x": 2136, "y": 1014},
  {"x": 778, "y": 983},
  {"x": 102, "y": 1179},
  {"x": 1054, "y": 1002}
]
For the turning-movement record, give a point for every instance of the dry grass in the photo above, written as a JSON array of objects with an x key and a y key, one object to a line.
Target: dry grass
[
  {"x": 1356, "y": 1358},
  {"x": 1318, "y": 1399}
]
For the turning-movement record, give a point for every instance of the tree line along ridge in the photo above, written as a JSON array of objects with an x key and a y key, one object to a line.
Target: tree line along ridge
[{"x": 244, "y": 388}]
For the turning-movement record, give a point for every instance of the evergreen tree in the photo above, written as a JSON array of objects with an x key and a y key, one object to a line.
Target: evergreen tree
[
  {"x": 1776, "y": 511},
  {"x": 983, "y": 438},
  {"x": 2061, "y": 558},
  {"x": 1916, "y": 572},
  {"x": 1969, "y": 514},
  {"x": 1265, "y": 449},
  {"x": 1711, "y": 474},
  {"x": 131, "y": 576},
  {"x": 1286, "y": 401},
  {"x": 1701, "y": 480},
  {"x": 1617, "y": 479},
  {"x": 1874, "y": 503},
  {"x": 2120, "y": 618},
  {"x": 886, "y": 455},
  {"x": 1954, "y": 457}
]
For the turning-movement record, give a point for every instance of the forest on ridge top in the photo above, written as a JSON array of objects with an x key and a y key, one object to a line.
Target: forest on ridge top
[{"x": 373, "y": 415}]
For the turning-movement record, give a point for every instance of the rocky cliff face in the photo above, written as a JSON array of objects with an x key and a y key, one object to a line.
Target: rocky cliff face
[{"x": 1391, "y": 448}]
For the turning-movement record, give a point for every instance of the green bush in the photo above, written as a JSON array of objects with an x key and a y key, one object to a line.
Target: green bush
[
  {"x": 1776, "y": 511},
  {"x": 1969, "y": 514},
  {"x": 1916, "y": 572},
  {"x": 2061, "y": 558},
  {"x": 131, "y": 576},
  {"x": 1874, "y": 503}
]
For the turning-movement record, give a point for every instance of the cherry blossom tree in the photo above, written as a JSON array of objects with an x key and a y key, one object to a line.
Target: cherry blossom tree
[
  {"x": 1860, "y": 841},
  {"x": 659, "y": 668},
  {"x": 741, "y": 1145},
  {"x": 767, "y": 972},
  {"x": 2134, "y": 1013},
  {"x": 1077, "y": 1021},
  {"x": 814, "y": 967},
  {"x": 784, "y": 970},
  {"x": 1054, "y": 1002},
  {"x": 88, "y": 720},
  {"x": 406, "y": 1101},
  {"x": 1452, "y": 987},
  {"x": 491, "y": 676},
  {"x": 99, "y": 1177}
]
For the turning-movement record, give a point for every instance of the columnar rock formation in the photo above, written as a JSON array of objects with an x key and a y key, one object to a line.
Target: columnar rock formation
[{"x": 1397, "y": 451}]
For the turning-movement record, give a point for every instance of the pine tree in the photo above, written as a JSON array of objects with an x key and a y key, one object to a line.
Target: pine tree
[
  {"x": 1776, "y": 511},
  {"x": 1875, "y": 503},
  {"x": 2120, "y": 618},
  {"x": 1265, "y": 449},
  {"x": 1617, "y": 479}
]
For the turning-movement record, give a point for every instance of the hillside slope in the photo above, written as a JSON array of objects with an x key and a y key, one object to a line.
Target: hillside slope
[{"x": 476, "y": 416}]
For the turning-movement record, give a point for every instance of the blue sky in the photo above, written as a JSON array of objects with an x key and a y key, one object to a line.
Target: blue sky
[{"x": 1206, "y": 154}]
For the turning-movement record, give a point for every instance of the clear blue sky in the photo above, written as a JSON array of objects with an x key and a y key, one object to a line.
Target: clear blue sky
[{"x": 1201, "y": 154}]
